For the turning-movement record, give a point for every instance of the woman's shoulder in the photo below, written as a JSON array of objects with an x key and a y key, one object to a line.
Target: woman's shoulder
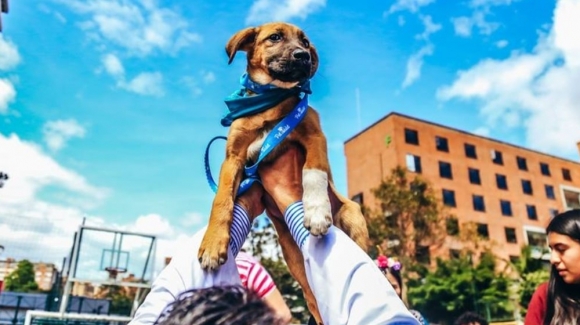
[{"x": 542, "y": 289}]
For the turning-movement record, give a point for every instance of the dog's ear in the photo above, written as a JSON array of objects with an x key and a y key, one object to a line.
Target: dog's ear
[
  {"x": 314, "y": 60},
  {"x": 241, "y": 41}
]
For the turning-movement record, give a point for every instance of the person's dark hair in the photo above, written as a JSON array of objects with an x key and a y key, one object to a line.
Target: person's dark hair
[
  {"x": 469, "y": 318},
  {"x": 227, "y": 305},
  {"x": 563, "y": 299}
]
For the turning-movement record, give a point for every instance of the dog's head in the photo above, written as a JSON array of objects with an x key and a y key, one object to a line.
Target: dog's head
[{"x": 278, "y": 54}]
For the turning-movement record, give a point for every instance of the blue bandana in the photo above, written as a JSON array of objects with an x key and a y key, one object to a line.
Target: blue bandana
[{"x": 241, "y": 104}]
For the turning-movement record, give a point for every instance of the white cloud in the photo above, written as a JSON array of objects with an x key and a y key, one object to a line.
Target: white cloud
[
  {"x": 37, "y": 229},
  {"x": 9, "y": 57},
  {"x": 501, "y": 43},
  {"x": 44, "y": 8},
  {"x": 208, "y": 77},
  {"x": 536, "y": 90},
  {"x": 481, "y": 9},
  {"x": 414, "y": 65},
  {"x": 410, "y": 5},
  {"x": 31, "y": 170},
  {"x": 415, "y": 61},
  {"x": 113, "y": 66},
  {"x": 57, "y": 133},
  {"x": 7, "y": 94},
  {"x": 275, "y": 10},
  {"x": 483, "y": 131},
  {"x": 145, "y": 83},
  {"x": 140, "y": 28}
]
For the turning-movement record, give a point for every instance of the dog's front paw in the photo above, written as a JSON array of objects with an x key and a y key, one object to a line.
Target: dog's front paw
[
  {"x": 213, "y": 251},
  {"x": 317, "y": 209}
]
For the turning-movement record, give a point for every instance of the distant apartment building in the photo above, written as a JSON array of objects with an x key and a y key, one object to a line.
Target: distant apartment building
[
  {"x": 508, "y": 191},
  {"x": 44, "y": 273}
]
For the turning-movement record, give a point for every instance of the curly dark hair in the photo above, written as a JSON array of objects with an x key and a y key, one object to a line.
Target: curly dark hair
[
  {"x": 227, "y": 305},
  {"x": 470, "y": 318}
]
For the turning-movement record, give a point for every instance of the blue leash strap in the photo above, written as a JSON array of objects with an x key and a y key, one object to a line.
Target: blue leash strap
[
  {"x": 274, "y": 138},
  {"x": 210, "y": 180},
  {"x": 279, "y": 133}
]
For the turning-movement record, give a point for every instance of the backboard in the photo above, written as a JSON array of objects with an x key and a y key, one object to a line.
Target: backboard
[{"x": 105, "y": 256}]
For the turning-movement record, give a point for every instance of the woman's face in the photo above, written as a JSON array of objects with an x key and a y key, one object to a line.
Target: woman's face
[
  {"x": 394, "y": 283},
  {"x": 565, "y": 257}
]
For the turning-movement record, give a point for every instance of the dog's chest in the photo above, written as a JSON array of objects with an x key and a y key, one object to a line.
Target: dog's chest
[{"x": 256, "y": 146}]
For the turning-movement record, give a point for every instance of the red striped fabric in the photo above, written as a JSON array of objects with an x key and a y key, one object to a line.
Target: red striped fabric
[{"x": 253, "y": 275}]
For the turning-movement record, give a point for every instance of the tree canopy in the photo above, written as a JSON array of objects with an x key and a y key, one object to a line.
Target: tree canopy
[
  {"x": 408, "y": 216},
  {"x": 22, "y": 278}
]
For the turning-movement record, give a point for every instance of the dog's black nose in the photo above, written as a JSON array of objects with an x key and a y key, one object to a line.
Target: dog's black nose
[{"x": 301, "y": 55}]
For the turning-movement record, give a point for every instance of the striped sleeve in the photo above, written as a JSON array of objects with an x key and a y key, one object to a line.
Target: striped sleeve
[{"x": 254, "y": 276}]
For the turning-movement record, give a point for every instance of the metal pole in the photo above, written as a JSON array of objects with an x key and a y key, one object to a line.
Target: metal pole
[
  {"x": 73, "y": 266},
  {"x": 15, "y": 319},
  {"x": 119, "y": 250},
  {"x": 147, "y": 259}
]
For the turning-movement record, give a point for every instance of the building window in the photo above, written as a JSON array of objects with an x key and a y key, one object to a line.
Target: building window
[
  {"x": 572, "y": 199},
  {"x": 441, "y": 144},
  {"x": 411, "y": 136},
  {"x": 522, "y": 163},
  {"x": 482, "y": 230},
  {"x": 470, "y": 151},
  {"x": 566, "y": 174},
  {"x": 452, "y": 225},
  {"x": 510, "y": 235},
  {"x": 478, "y": 203},
  {"x": 445, "y": 170},
  {"x": 497, "y": 157},
  {"x": 358, "y": 198},
  {"x": 553, "y": 213},
  {"x": 474, "y": 176},
  {"x": 506, "y": 208},
  {"x": 538, "y": 242},
  {"x": 449, "y": 198},
  {"x": 527, "y": 187},
  {"x": 414, "y": 163},
  {"x": 422, "y": 254},
  {"x": 545, "y": 169},
  {"x": 501, "y": 181},
  {"x": 550, "y": 192},
  {"x": 532, "y": 214}
]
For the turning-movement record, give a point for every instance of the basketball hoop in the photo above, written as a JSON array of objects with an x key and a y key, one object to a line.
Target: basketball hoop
[{"x": 114, "y": 271}]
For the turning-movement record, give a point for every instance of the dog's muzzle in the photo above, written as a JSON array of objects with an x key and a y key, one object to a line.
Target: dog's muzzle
[{"x": 294, "y": 69}]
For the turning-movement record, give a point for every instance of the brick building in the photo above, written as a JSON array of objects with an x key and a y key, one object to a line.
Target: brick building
[
  {"x": 510, "y": 192},
  {"x": 44, "y": 273}
]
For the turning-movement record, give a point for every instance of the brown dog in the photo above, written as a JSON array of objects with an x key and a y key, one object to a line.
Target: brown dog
[{"x": 279, "y": 54}]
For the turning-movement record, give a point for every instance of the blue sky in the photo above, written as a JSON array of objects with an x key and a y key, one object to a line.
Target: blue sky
[{"x": 106, "y": 105}]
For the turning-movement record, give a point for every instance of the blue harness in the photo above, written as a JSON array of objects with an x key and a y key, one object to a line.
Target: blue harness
[{"x": 241, "y": 104}]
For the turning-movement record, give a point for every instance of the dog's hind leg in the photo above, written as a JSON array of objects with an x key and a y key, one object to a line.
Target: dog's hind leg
[
  {"x": 349, "y": 218},
  {"x": 295, "y": 261}
]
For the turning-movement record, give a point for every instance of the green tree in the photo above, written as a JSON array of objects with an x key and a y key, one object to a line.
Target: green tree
[
  {"x": 263, "y": 244},
  {"x": 22, "y": 278},
  {"x": 531, "y": 272},
  {"x": 409, "y": 216},
  {"x": 459, "y": 285},
  {"x": 121, "y": 298}
]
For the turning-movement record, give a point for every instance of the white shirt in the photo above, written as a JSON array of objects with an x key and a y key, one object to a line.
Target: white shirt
[{"x": 349, "y": 288}]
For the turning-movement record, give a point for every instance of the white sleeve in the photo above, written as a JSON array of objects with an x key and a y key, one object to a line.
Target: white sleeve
[
  {"x": 349, "y": 287},
  {"x": 183, "y": 273}
]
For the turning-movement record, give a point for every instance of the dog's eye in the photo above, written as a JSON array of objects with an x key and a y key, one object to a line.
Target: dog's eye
[
  {"x": 306, "y": 42},
  {"x": 275, "y": 37}
]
